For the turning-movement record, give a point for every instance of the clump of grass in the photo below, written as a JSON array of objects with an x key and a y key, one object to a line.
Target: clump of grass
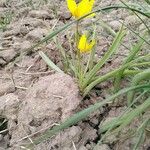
[{"x": 5, "y": 19}]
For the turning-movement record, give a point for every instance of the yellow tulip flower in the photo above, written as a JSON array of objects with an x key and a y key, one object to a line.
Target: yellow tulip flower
[
  {"x": 81, "y": 9},
  {"x": 83, "y": 45}
]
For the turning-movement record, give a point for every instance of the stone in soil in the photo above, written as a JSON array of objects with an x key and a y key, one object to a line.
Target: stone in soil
[
  {"x": 8, "y": 106},
  {"x": 6, "y": 86},
  {"x": 37, "y": 34},
  {"x": 102, "y": 147},
  {"x": 7, "y": 55},
  {"x": 40, "y": 14}
]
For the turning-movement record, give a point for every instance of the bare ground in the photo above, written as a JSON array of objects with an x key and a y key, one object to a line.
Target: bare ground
[{"x": 34, "y": 98}]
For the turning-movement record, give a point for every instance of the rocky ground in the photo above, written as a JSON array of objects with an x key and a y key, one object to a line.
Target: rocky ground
[{"x": 33, "y": 97}]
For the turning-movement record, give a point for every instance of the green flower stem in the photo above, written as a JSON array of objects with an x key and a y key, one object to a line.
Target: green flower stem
[
  {"x": 77, "y": 50},
  {"x": 79, "y": 61}
]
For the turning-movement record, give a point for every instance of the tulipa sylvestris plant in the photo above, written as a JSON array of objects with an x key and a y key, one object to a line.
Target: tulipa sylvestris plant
[
  {"x": 86, "y": 72},
  {"x": 81, "y": 64},
  {"x": 82, "y": 43},
  {"x": 79, "y": 61}
]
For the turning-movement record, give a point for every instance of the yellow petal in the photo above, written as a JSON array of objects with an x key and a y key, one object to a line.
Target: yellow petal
[
  {"x": 72, "y": 6},
  {"x": 84, "y": 46},
  {"x": 91, "y": 7},
  {"x": 90, "y": 46},
  {"x": 92, "y": 3},
  {"x": 83, "y": 8},
  {"x": 82, "y": 42}
]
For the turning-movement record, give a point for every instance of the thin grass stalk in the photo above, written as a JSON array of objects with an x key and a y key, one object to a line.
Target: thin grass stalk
[
  {"x": 137, "y": 34},
  {"x": 63, "y": 54},
  {"x": 141, "y": 64},
  {"x": 49, "y": 62},
  {"x": 140, "y": 134}
]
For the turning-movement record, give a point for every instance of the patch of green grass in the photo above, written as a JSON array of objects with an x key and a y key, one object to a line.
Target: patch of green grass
[{"x": 5, "y": 19}]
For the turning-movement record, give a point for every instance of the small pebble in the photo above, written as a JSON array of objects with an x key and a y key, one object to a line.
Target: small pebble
[{"x": 1, "y": 137}]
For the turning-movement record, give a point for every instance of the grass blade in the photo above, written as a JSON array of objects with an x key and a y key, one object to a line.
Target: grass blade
[
  {"x": 140, "y": 134},
  {"x": 145, "y": 75},
  {"x": 49, "y": 62}
]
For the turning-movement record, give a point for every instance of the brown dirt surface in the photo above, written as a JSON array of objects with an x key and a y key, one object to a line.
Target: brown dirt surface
[{"x": 34, "y": 98}]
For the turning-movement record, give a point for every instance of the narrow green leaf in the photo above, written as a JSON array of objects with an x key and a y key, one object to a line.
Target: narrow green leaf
[
  {"x": 145, "y": 75},
  {"x": 137, "y": 15},
  {"x": 123, "y": 120},
  {"x": 49, "y": 62},
  {"x": 147, "y": 1},
  {"x": 140, "y": 134}
]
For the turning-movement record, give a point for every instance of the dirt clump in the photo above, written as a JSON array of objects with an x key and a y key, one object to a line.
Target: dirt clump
[
  {"x": 51, "y": 100},
  {"x": 6, "y": 86},
  {"x": 40, "y": 14},
  {"x": 8, "y": 105},
  {"x": 36, "y": 34},
  {"x": 102, "y": 147},
  {"x": 7, "y": 55}
]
